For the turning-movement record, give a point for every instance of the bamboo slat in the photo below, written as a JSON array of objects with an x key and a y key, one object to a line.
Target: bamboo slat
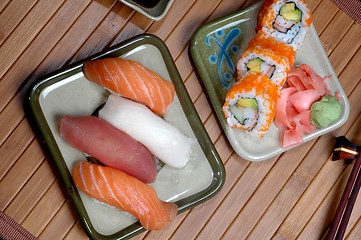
[
  {"x": 62, "y": 222},
  {"x": 76, "y": 232},
  {"x": 38, "y": 49},
  {"x": 20, "y": 38},
  {"x": 75, "y": 37},
  {"x": 323, "y": 14},
  {"x": 13, "y": 147},
  {"x": 104, "y": 34},
  {"x": 351, "y": 72},
  {"x": 45, "y": 209},
  {"x": 164, "y": 28},
  {"x": 20, "y": 172},
  {"x": 335, "y": 31},
  {"x": 31, "y": 192},
  {"x": 294, "y": 223},
  {"x": 3, "y": 4},
  {"x": 344, "y": 52},
  {"x": 136, "y": 25},
  {"x": 12, "y": 15}
]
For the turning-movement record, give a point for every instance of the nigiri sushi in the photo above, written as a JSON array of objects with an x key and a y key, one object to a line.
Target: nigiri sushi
[
  {"x": 132, "y": 80},
  {"x": 120, "y": 190},
  {"x": 109, "y": 145},
  {"x": 163, "y": 140}
]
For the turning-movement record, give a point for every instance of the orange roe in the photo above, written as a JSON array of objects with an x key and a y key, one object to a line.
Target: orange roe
[
  {"x": 262, "y": 53},
  {"x": 280, "y": 48}
]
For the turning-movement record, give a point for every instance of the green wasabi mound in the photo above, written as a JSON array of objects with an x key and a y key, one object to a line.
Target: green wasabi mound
[{"x": 326, "y": 111}]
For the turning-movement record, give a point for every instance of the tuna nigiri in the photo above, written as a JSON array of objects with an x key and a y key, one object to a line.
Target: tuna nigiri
[
  {"x": 132, "y": 80},
  {"x": 125, "y": 192},
  {"x": 164, "y": 140},
  {"x": 109, "y": 145}
]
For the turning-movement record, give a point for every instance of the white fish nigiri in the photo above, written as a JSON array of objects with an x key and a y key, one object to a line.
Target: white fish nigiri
[{"x": 161, "y": 138}]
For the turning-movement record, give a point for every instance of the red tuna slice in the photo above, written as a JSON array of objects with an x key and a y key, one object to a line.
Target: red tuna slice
[{"x": 111, "y": 146}]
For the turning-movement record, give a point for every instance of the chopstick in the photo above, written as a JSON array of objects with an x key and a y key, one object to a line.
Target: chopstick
[{"x": 344, "y": 209}]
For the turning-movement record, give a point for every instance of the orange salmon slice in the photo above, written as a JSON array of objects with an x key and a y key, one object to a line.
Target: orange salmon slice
[
  {"x": 118, "y": 189},
  {"x": 132, "y": 80}
]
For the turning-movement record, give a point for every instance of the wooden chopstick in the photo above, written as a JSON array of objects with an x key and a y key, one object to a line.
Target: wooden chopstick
[{"x": 344, "y": 209}]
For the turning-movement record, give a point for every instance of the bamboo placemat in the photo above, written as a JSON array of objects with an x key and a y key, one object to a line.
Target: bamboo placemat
[
  {"x": 351, "y": 7},
  {"x": 9, "y": 229}
]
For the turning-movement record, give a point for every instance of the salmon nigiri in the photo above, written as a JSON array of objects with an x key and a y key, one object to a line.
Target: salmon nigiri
[
  {"x": 131, "y": 80},
  {"x": 120, "y": 190}
]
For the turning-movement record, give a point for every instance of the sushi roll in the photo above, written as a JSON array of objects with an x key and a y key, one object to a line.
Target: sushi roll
[
  {"x": 265, "y": 5},
  {"x": 250, "y": 104},
  {"x": 262, "y": 60},
  {"x": 287, "y": 21},
  {"x": 282, "y": 49}
]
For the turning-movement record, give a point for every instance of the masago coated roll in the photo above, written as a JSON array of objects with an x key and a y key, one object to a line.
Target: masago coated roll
[
  {"x": 263, "y": 60},
  {"x": 287, "y": 21},
  {"x": 282, "y": 49},
  {"x": 250, "y": 104}
]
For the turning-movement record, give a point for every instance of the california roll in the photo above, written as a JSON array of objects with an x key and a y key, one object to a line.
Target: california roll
[
  {"x": 287, "y": 21},
  {"x": 262, "y": 60},
  {"x": 250, "y": 104}
]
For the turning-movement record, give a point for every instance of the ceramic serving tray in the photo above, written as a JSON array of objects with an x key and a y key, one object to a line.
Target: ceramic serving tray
[
  {"x": 216, "y": 48},
  {"x": 68, "y": 92}
]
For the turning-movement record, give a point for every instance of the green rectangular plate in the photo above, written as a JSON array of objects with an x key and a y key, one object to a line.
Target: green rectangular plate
[
  {"x": 67, "y": 92},
  {"x": 216, "y": 48}
]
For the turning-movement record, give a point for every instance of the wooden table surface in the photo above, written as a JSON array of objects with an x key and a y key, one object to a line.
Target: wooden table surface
[{"x": 291, "y": 196}]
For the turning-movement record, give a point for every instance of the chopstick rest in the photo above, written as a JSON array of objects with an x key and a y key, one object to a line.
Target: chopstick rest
[{"x": 346, "y": 150}]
